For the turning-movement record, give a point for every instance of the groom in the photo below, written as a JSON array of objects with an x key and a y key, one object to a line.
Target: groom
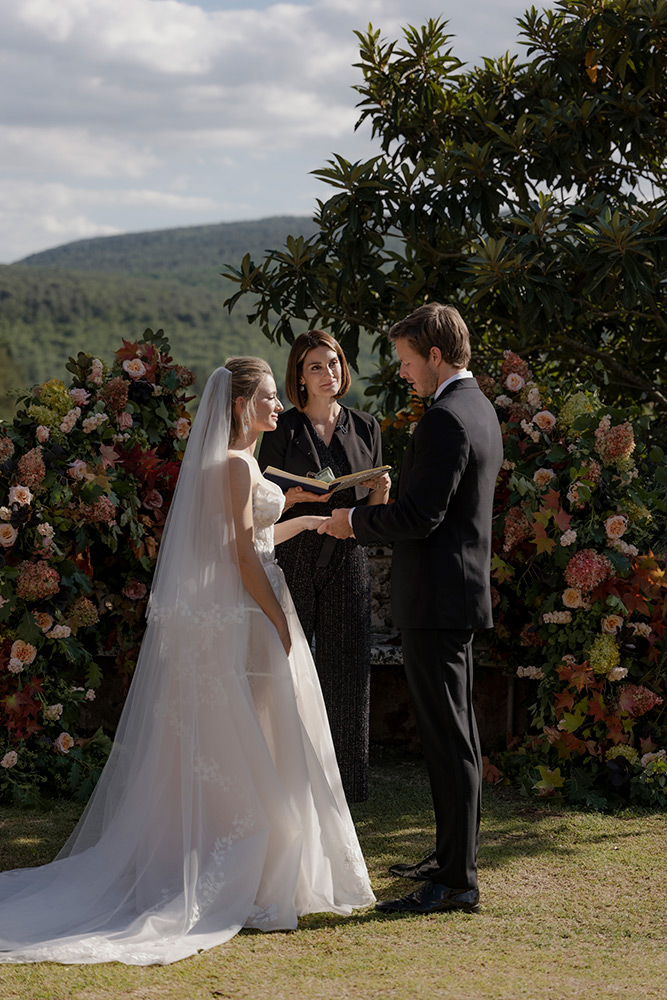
[{"x": 441, "y": 529}]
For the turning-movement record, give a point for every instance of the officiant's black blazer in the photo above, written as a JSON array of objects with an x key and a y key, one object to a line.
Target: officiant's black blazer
[
  {"x": 440, "y": 523},
  {"x": 291, "y": 447}
]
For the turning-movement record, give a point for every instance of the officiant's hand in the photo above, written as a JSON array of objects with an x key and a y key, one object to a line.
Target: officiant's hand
[
  {"x": 296, "y": 494},
  {"x": 337, "y": 525}
]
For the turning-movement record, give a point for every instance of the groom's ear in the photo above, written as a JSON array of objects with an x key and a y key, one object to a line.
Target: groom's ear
[{"x": 435, "y": 354}]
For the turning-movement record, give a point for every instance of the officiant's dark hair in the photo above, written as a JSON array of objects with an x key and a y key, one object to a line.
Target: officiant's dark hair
[
  {"x": 435, "y": 325},
  {"x": 303, "y": 344}
]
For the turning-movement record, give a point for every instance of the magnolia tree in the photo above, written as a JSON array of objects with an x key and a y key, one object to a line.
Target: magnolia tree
[
  {"x": 87, "y": 471},
  {"x": 529, "y": 190}
]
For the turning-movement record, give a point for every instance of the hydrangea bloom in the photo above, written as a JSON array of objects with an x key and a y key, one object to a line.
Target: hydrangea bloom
[
  {"x": 37, "y": 580},
  {"x": 31, "y": 469},
  {"x": 637, "y": 700},
  {"x": 576, "y": 405},
  {"x": 517, "y": 528},
  {"x": 115, "y": 394},
  {"x": 587, "y": 569},
  {"x": 615, "y": 445},
  {"x": 6, "y": 448},
  {"x": 82, "y": 613},
  {"x": 624, "y": 751},
  {"x": 603, "y": 654}
]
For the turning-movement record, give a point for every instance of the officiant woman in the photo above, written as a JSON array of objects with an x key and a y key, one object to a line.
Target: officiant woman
[{"x": 329, "y": 578}]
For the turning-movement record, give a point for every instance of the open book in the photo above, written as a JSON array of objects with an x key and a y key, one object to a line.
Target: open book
[{"x": 287, "y": 479}]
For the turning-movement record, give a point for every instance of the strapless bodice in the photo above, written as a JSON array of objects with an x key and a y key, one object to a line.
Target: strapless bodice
[{"x": 268, "y": 502}]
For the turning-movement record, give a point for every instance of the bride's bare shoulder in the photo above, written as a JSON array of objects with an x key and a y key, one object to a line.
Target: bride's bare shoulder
[{"x": 243, "y": 468}]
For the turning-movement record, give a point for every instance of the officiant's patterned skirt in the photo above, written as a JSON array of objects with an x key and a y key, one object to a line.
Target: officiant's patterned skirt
[{"x": 329, "y": 580}]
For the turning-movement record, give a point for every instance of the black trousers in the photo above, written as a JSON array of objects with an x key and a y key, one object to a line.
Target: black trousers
[{"x": 439, "y": 669}]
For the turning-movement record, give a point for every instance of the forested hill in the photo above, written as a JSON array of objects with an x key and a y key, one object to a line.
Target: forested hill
[
  {"x": 192, "y": 253},
  {"x": 89, "y": 294}
]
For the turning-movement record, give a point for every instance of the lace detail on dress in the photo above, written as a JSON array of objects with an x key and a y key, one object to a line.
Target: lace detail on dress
[{"x": 268, "y": 503}]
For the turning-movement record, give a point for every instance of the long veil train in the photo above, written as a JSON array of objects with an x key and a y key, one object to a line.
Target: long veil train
[{"x": 220, "y": 806}]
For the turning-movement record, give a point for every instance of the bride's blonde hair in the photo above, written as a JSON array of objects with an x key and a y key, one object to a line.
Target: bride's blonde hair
[{"x": 247, "y": 373}]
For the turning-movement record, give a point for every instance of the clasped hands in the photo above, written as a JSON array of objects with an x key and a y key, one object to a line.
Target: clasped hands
[{"x": 338, "y": 525}]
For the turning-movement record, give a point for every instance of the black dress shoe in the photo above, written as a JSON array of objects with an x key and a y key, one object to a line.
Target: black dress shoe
[
  {"x": 431, "y": 897},
  {"x": 419, "y": 872}
]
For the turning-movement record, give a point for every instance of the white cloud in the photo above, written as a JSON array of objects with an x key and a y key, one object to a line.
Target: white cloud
[
  {"x": 226, "y": 107},
  {"x": 73, "y": 151}
]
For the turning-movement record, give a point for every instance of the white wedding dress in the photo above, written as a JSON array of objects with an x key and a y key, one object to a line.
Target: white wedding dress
[{"x": 221, "y": 806}]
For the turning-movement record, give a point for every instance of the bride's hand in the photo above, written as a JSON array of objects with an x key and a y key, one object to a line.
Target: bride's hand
[
  {"x": 312, "y": 522},
  {"x": 285, "y": 638}
]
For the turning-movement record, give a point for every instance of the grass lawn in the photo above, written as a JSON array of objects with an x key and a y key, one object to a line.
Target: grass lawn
[{"x": 574, "y": 908}]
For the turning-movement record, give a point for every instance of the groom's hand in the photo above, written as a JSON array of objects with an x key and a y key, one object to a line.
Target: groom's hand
[{"x": 338, "y": 524}]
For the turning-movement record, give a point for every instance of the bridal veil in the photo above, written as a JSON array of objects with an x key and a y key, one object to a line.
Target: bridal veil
[{"x": 220, "y": 806}]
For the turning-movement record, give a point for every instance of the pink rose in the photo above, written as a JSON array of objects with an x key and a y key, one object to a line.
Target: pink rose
[
  {"x": 23, "y": 651},
  {"x": 79, "y": 396},
  {"x": 42, "y": 434},
  {"x": 134, "y": 368},
  {"x": 182, "y": 428},
  {"x": 545, "y": 420},
  {"x": 514, "y": 382},
  {"x": 611, "y": 624},
  {"x": 63, "y": 744},
  {"x": 8, "y": 535},
  {"x": 615, "y": 525},
  {"x": 135, "y": 590},
  {"x": 542, "y": 477},
  {"x": 77, "y": 469},
  {"x": 43, "y": 620},
  {"x": 153, "y": 500},
  {"x": 125, "y": 421},
  {"x": 572, "y": 598},
  {"x": 20, "y": 495}
]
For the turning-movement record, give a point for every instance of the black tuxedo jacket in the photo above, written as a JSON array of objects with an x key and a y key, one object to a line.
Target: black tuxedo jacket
[
  {"x": 440, "y": 523},
  {"x": 291, "y": 447}
]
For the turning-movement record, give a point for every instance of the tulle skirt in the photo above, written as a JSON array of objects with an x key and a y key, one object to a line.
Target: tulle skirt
[{"x": 221, "y": 806}]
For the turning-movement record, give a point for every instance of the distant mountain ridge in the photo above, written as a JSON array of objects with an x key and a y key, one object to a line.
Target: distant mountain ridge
[
  {"x": 87, "y": 295},
  {"x": 180, "y": 253}
]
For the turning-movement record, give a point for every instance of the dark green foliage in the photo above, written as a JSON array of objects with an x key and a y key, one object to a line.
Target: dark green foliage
[{"x": 530, "y": 193}]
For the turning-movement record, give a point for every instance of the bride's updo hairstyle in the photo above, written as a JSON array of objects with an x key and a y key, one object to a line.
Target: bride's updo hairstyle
[{"x": 247, "y": 373}]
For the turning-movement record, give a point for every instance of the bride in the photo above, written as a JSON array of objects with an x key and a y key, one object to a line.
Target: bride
[{"x": 221, "y": 806}]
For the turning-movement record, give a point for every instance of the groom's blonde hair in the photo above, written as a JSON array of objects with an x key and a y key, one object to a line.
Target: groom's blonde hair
[{"x": 435, "y": 325}]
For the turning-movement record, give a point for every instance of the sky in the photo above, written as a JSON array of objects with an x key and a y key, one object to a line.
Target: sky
[{"x": 131, "y": 115}]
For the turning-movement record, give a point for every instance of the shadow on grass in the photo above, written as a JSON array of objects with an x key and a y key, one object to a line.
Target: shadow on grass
[{"x": 397, "y": 824}]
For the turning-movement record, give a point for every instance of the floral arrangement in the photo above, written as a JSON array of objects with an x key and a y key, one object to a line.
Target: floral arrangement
[
  {"x": 580, "y": 597},
  {"x": 87, "y": 471}
]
